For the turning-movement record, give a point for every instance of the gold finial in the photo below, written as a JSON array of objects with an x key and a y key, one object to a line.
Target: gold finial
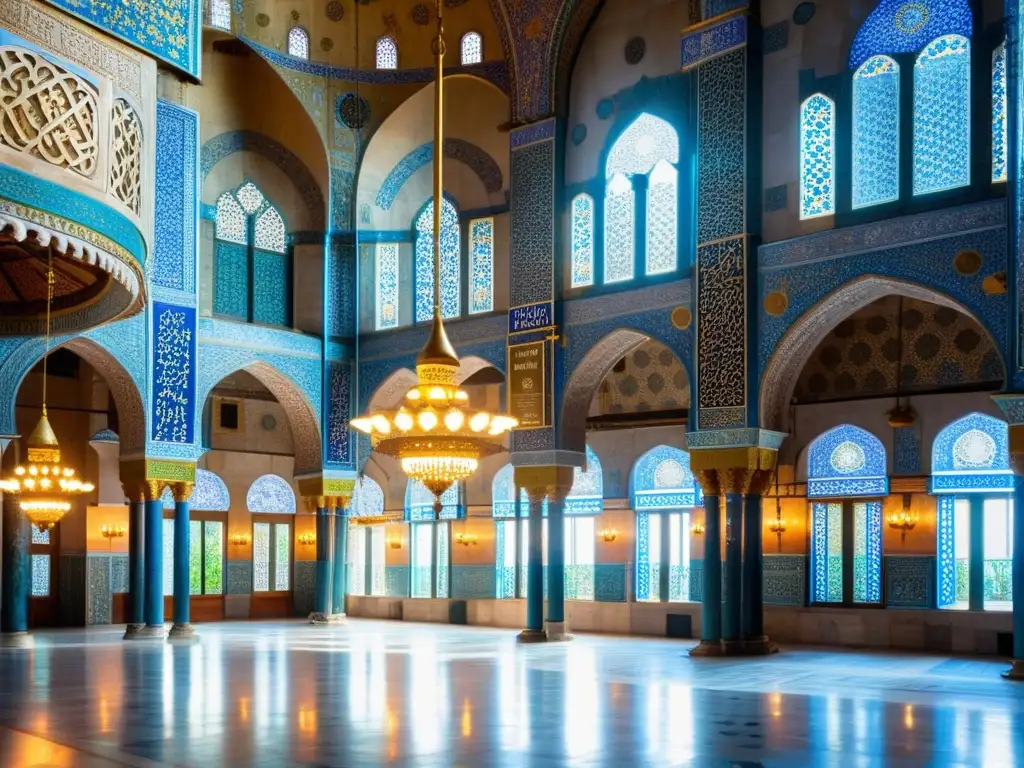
[{"x": 42, "y": 444}]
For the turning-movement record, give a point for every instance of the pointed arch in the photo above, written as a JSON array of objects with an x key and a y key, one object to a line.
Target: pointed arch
[
  {"x": 896, "y": 26},
  {"x": 298, "y": 43},
  {"x": 451, "y": 292},
  {"x": 220, "y": 14},
  {"x": 662, "y": 479},
  {"x": 471, "y": 49},
  {"x": 646, "y": 141},
  {"x": 270, "y": 494},
  {"x": 971, "y": 454},
  {"x": 846, "y": 461}
]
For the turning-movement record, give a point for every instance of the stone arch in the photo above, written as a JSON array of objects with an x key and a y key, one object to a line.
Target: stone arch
[
  {"x": 131, "y": 409},
  {"x": 584, "y": 381},
  {"x": 303, "y": 416},
  {"x": 389, "y": 393},
  {"x": 471, "y": 365},
  {"x": 794, "y": 349}
]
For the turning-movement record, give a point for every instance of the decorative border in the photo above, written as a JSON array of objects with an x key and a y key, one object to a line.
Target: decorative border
[
  {"x": 710, "y": 42},
  {"x": 533, "y": 133},
  {"x": 176, "y": 204}
]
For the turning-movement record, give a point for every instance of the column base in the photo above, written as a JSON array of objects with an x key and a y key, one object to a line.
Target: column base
[
  {"x": 16, "y": 640},
  {"x": 320, "y": 618},
  {"x": 131, "y": 630},
  {"x": 556, "y": 632},
  {"x": 147, "y": 632},
  {"x": 1016, "y": 670},
  {"x": 759, "y": 646},
  {"x": 707, "y": 648},
  {"x": 183, "y": 631},
  {"x": 532, "y": 636}
]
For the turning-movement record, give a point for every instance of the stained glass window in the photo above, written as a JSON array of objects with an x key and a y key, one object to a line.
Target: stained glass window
[
  {"x": 387, "y": 53},
  {"x": 40, "y": 537},
  {"x": 827, "y": 553},
  {"x": 619, "y": 232},
  {"x": 232, "y": 224},
  {"x": 505, "y": 558},
  {"x": 999, "y": 148},
  {"x": 582, "y": 241},
  {"x": 587, "y": 492},
  {"x": 282, "y": 556},
  {"x": 662, "y": 215},
  {"x": 386, "y": 279},
  {"x": 846, "y": 461},
  {"x": 942, "y": 115},
  {"x": 647, "y": 140},
  {"x": 220, "y": 14},
  {"x": 270, "y": 493},
  {"x": 817, "y": 157},
  {"x": 450, "y": 273},
  {"x": 481, "y": 265},
  {"x": 250, "y": 197},
  {"x": 40, "y": 575},
  {"x": 298, "y": 42},
  {"x": 876, "y": 132},
  {"x": 472, "y": 48},
  {"x": 899, "y": 26},
  {"x": 269, "y": 231},
  {"x": 971, "y": 455},
  {"x": 867, "y": 552},
  {"x": 261, "y": 557}
]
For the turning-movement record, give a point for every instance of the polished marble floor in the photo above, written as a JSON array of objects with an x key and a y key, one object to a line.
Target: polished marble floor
[{"x": 397, "y": 694}]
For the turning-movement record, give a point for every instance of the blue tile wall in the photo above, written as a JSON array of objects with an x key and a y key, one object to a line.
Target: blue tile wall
[
  {"x": 909, "y": 581},
  {"x": 177, "y": 195},
  {"x": 174, "y": 374},
  {"x": 304, "y": 587},
  {"x": 784, "y": 579},
  {"x": 99, "y": 606},
  {"x": 610, "y": 582},
  {"x": 239, "y": 577},
  {"x": 396, "y": 580},
  {"x": 271, "y": 300},
  {"x": 231, "y": 280},
  {"x": 474, "y": 582}
]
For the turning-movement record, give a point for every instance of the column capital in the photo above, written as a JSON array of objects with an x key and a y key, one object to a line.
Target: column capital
[
  {"x": 313, "y": 504},
  {"x": 734, "y": 470},
  {"x": 334, "y": 489},
  {"x": 552, "y": 482},
  {"x": 181, "y": 491}
]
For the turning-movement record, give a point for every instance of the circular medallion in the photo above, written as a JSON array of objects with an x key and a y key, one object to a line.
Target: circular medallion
[
  {"x": 669, "y": 474},
  {"x": 268, "y": 422},
  {"x": 974, "y": 449},
  {"x": 847, "y": 458},
  {"x": 421, "y": 15},
  {"x": 967, "y": 262},
  {"x": 776, "y": 303},
  {"x": 803, "y": 13},
  {"x": 326, "y": 44},
  {"x": 579, "y": 134},
  {"x": 295, "y": 15},
  {"x": 262, "y": 20},
  {"x": 911, "y": 18},
  {"x": 636, "y": 48},
  {"x": 335, "y": 11},
  {"x": 353, "y": 110},
  {"x": 681, "y": 318}
]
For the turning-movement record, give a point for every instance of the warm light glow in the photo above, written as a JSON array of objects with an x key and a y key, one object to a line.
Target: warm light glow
[
  {"x": 113, "y": 531},
  {"x": 404, "y": 421},
  {"x": 414, "y": 394},
  {"x": 240, "y": 539},
  {"x": 467, "y": 718},
  {"x": 436, "y": 393},
  {"x": 466, "y": 539},
  {"x": 306, "y": 539},
  {"x": 427, "y": 420},
  {"x": 363, "y": 425},
  {"x": 697, "y": 529},
  {"x": 454, "y": 420},
  {"x": 908, "y": 717},
  {"x": 381, "y": 424},
  {"x": 608, "y": 534},
  {"x": 479, "y": 421}
]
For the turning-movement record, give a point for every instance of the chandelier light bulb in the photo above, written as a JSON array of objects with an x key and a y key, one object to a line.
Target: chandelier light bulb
[
  {"x": 381, "y": 424},
  {"x": 404, "y": 421},
  {"x": 479, "y": 422},
  {"x": 454, "y": 420},
  {"x": 427, "y": 420}
]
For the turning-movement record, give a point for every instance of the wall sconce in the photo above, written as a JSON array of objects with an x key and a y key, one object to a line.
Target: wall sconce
[
  {"x": 240, "y": 539},
  {"x": 465, "y": 539},
  {"x": 608, "y": 534},
  {"x": 307, "y": 539},
  {"x": 697, "y": 529},
  {"x": 778, "y": 527},
  {"x": 109, "y": 532},
  {"x": 395, "y": 542},
  {"x": 904, "y": 520}
]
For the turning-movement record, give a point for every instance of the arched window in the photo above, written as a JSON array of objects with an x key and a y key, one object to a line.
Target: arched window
[
  {"x": 220, "y": 14},
  {"x": 512, "y": 535},
  {"x": 427, "y": 577},
  {"x": 385, "y": 267},
  {"x": 999, "y": 148},
  {"x": 584, "y": 502},
  {"x": 972, "y": 476},
  {"x": 481, "y": 266},
  {"x": 663, "y": 494},
  {"x": 472, "y": 48},
  {"x": 817, "y": 157},
  {"x": 643, "y": 159},
  {"x": 942, "y": 115},
  {"x": 269, "y": 497},
  {"x": 876, "y": 132},
  {"x": 366, "y": 549},
  {"x": 252, "y": 270},
  {"x": 208, "y": 502},
  {"x": 270, "y": 494},
  {"x": 387, "y": 53},
  {"x": 298, "y": 43},
  {"x": 582, "y": 241},
  {"x": 450, "y": 271},
  {"x": 845, "y": 464}
]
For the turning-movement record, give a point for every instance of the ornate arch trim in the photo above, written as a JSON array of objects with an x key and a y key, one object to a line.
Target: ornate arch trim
[{"x": 478, "y": 160}]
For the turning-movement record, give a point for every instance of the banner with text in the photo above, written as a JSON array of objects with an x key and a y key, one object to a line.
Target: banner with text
[{"x": 526, "y": 384}]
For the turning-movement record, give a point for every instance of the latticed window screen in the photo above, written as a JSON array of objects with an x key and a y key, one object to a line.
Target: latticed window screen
[
  {"x": 942, "y": 115},
  {"x": 271, "y": 557},
  {"x": 817, "y": 157},
  {"x": 451, "y": 305},
  {"x": 481, "y": 265},
  {"x": 387, "y": 53},
  {"x": 832, "y": 552},
  {"x": 298, "y": 42},
  {"x": 876, "y": 132},
  {"x": 582, "y": 241},
  {"x": 386, "y": 276},
  {"x": 472, "y": 48},
  {"x": 999, "y": 138},
  {"x": 220, "y": 14}
]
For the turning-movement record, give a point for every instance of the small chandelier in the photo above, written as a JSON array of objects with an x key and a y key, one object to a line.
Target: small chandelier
[
  {"x": 435, "y": 436},
  {"x": 43, "y": 485}
]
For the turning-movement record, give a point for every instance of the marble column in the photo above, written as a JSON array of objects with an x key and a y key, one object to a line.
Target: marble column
[
  {"x": 711, "y": 598},
  {"x": 324, "y": 567},
  {"x": 534, "y": 631},
  {"x": 182, "y": 628},
  {"x": 136, "y": 567},
  {"x": 752, "y": 618},
  {"x": 16, "y": 574},
  {"x": 154, "y": 554},
  {"x": 554, "y": 627},
  {"x": 340, "y": 561},
  {"x": 733, "y": 591}
]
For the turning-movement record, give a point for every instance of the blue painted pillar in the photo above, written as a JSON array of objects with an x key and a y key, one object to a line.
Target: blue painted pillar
[
  {"x": 340, "y": 560},
  {"x": 976, "y": 572},
  {"x": 732, "y": 599},
  {"x": 16, "y": 572},
  {"x": 136, "y": 567},
  {"x": 556, "y": 568},
  {"x": 752, "y": 616},
  {"x": 154, "y": 553},
  {"x": 711, "y": 598},
  {"x": 182, "y": 549},
  {"x": 324, "y": 569},
  {"x": 534, "y": 631}
]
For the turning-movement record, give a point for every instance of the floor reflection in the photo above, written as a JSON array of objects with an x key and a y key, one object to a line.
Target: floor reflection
[{"x": 376, "y": 693}]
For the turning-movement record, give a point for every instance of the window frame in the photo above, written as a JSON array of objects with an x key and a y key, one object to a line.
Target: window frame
[
  {"x": 273, "y": 520},
  {"x": 225, "y": 4},
  {"x": 376, "y": 53},
  {"x": 203, "y": 517},
  {"x": 462, "y": 50},
  {"x": 288, "y": 42},
  {"x": 849, "y": 542}
]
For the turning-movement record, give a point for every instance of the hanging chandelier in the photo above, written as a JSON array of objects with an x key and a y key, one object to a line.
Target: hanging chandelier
[
  {"x": 435, "y": 436},
  {"x": 44, "y": 487}
]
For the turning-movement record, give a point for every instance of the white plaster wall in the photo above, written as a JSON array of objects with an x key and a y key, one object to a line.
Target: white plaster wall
[{"x": 253, "y": 437}]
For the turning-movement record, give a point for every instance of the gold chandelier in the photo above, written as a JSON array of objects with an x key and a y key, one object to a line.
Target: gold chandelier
[
  {"x": 44, "y": 487},
  {"x": 435, "y": 436}
]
